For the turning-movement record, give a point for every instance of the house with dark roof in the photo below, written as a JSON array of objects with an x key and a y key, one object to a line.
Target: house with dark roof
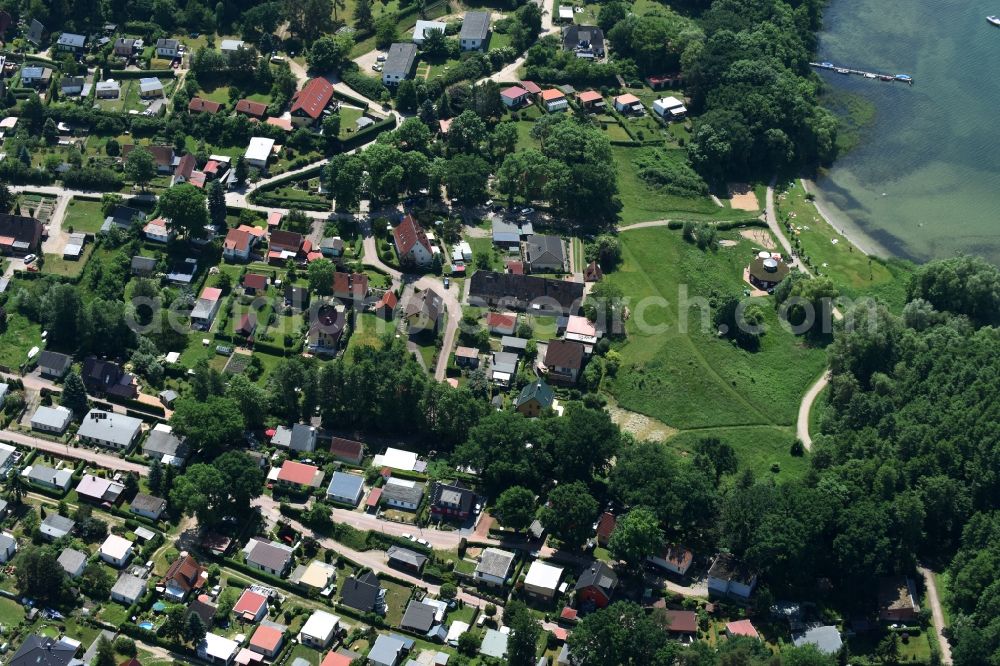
[
  {"x": 521, "y": 292},
  {"x": 534, "y": 399},
  {"x": 44, "y": 651},
  {"x": 69, "y": 42},
  {"x": 423, "y": 311},
  {"x": 673, "y": 558},
  {"x": 418, "y": 618},
  {"x": 269, "y": 557},
  {"x": 36, "y": 76},
  {"x": 163, "y": 445},
  {"x": 309, "y": 103},
  {"x": 350, "y": 286},
  {"x": 475, "y": 31},
  {"x": 326, "y": 328},
  {"x": 452, "y": 501},
  {"x": 728, "y": 577},
  {"x": 123, "y": 217},
  {"x": 283, "y": 245},
  {"x": 167, "y": 48},
  {"x": 143, "y": 266},
  {"x": 412, "y": 245},
  {"x": 185, "y": 574},
  {"x": 402, "y": 494},
  {"x": 586, "y": 41},
  {"x": 399, "y": 63},
  {"x": 564, "y": 360},
  {"x": 765, "y": 272},
  {"x": 406, "y": 559},
  {"x": 300, "y": 437},
  {"x": 897, "y": 599},
  {"x": 53, "y": 365},
  {"x": 494, "y": 567},
  {"x": 596, "y": 585},
  {"x": 363, "y": 593},
  {"x": 593, "y": 272},
  {"x": 545, "y": 254},
  {"x": 104, "y": 377},
  {"x": 148, "y": 506},
  {"x": 19, "y": 235},
  {"x": 681, "y": 624},
  {"x": 296, "y": 298},
  {"x": 252, "y": 109},
  {"x": 198, "y": 105}
]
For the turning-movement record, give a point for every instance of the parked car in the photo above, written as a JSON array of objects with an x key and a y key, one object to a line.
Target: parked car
[
  {"x": 447, "y": 282},
  {"x": 29, "y": 259},
  {"x": 381, "y": 57}
]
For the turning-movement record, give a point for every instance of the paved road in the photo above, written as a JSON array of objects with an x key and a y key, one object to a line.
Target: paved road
[
  {"x": 802, "y": 424},
  {"x": 95, "y": 457},
  {"x": 509, "y": 73},
  {"x": 936, "y": 613}
]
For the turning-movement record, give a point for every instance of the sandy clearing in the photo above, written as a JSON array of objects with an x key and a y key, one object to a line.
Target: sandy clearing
[
  {"x": 742, "y": 197},
  {"x": 759, "y": 236}
]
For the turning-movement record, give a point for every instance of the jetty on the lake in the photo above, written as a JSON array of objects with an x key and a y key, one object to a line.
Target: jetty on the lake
[{"x": 847, "y": 71}]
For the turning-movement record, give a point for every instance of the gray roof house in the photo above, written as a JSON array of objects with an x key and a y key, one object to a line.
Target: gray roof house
[
  {"x": 163, "y": 444},
  {"x": 300, "y": 437},
  {"x": 4, "y": 389},
  {"x": 123, "y": 217},
  {"x": 386, "y": 651},
  {"x": 143, "y": 265},
  {"x": 51, "y": 478},
  {"x": 128, "y": 589},
  {"x": 148, "y": 506},
  {"x": 545, "y": 254},
  {"x": 56, "y": 527},
  {"x": 494, "y": 566},
  {"x": 419, "y": 617},
  {"x": 51, "y": 419},
  {"x": 405, "y": 558},
  {"x": 270, "y": 557},
  {"x": 72, "y": 561},
  {"x": 826, "y": 639},
  {"x": 71, "y": 42},
  {"x": 346, "y": 488},
  {"x": 35, "y": 32},
  {"x": 54, "y": 364},
  {"x": 71, "y": 85},
  {"x": 8, "y": 546},
  {"x": 402, "y": 495},
  {"x": 44, "y": 651},
  {"x": 109, "y": 429},
  {"x": 399, "y": 63},
  {"x": 510, "y": 233},
  {"x": 475, "y": 30}
]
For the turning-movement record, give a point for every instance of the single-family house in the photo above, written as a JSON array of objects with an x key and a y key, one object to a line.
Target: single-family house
[
  {"x": 124, "y": 47},
  {"x": 199, "y": 105},
  {"x": 254, "y": 284},
  {"x": 19, "y": 235},
  {"x": 69, "y": 42},
  {"x": 319, "y": 630},
  {"x": 509, "y": 234},
  {"x": 628, "y": 104},
  {"x": 387, "y": 651},
  {"x": 418, "y": 618},
  {"x": 246, "y": 107},
  {"x": 399, "y": 63},
  {"x": 475, "y": 31},
  {"x": 400, "y": 459},
  {"x": 586, "y": 41},
  {"x": 185, "y": 574},
  {"x": 251, "y": 607},
  {"x": 347, "y": 450},
  {"x": 386, "y": 305},
  {"x": 103, "y": 377},
  {"x": 346, "y": 488},
  {"x": 350, "y": 286},
  {"x": 206, "y": 307},
  {"x": 150, "y": 87},
  {"x": 590, "y": 100},
  {"x": 143, "y": 266},
  {"x": 494, "y": 567},
  {"x": 109, "y": 429},
  {"x": 402, "y": 494},
  {"x": 56, "y": 479},
  {"x": 564, "y": 360},
  {"x": 108, "y": 89},
  {"x": 742, "y": 628},
  {"x": 826, "y": 639},
  {"x": 269, "y": 556},
  {"x": 237, "y": 245},
  {"x": 316, "y": 575},
  {"x": 123, "y": 217},
  {"x": 593, "y": 272},
  {"x": 36, "y": 32},
  {"x": 332, "y": 247},
  {"x": 51, "y": 419},
  {"x": 669, "y": 108},
  {"x": 217, "y": 649},
  {"x": 259, "y": 151},
  {"x": 296, "y": 298},
  {"x": 44, "y": 651},
  {"x": 167, "y": 48},
  {"x": 55, "y": 527},
  {"x": 596, "y": 585},
  {"x": 728, "y": 577},
  {"x": 452, "y": 501},
  {"x": 8, "y": 547},
  {"x": 326, "y": 328},
  {"x": 503, "y": 367},
  {"x": 158, "y": 230},
  {"x": 284, "y": 245},
  {"x": 897, "y": 599},
  {"x": 228, "y": 46},
  {"x": 545, "y": 254},
  {"x": 293, "y": 473},
  {"x": 36, "y": 76},
  {"x": 268, "y": 639},
  {"x": 309, "y": 103},
  {"x": 148, "y": 506},
  {"x": 673, "y": 558},
  {"x": 99, "y": 489},
  {"x": 412, "y": 245},
  {"x": 300, "y": 437},
  {"x": 554, "y": 100},
  {"x": 70, "y": 86},
  {"x": 72, "y": 561},
  {"x": 466, "y": 357},
  {"x": 542, "y": 580},
  {"x": 423, "y": 311},
  {"x": 363, "y": 593},
  {"x": 406, "y": 559},
  {"x": 128, "y": 589},
  {"x": 494, "y": 644},
  {"x": 534, "y": 399},
  {"x": 423, "y": 28},
  {"x": 501, "y": 323},
  {"x": 163, "y": 445},
  {"x": 767, "y": 270},
  {"x": 606, "y": 525},
  {"x": 116, "y": 551},
  {"x": 681, "y": 624}
]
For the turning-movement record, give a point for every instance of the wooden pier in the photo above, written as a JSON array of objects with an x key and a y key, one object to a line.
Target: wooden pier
[{"x": 875, "y": 76}]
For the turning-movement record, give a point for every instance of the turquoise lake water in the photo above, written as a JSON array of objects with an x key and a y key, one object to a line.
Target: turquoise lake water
[{"x": 925, "y": 180}]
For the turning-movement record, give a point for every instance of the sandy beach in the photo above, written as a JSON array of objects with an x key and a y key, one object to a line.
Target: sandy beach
[{"x": 845, "y": 226}]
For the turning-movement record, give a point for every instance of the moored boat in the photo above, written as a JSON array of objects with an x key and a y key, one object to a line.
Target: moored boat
[
  {"x": 843, "y": 70},
  {"x": 994, "y": 20},
  {"x": 905, "y": 78}
]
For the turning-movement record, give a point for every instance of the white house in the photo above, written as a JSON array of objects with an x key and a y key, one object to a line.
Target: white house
[
  {"x": 167, "y": 48},
  {"x": 628, "y": 103},
  {"x": 158, "y": 230},
  {"x": 554, "y": 100},
  {"x": 73, "y": 562},
  {"x": 109, "y": 429},
  {"x": 421, "y": 30},
  {"x": 669, "y": 108},
  {"x": 728, "y": 577},
  {"x": 346, "y": 488},
  {"x": 475, "y": 31},
  {"x": 231, "y": 45},
  {"x": 675, "y": 559},
  {"x": 217, "y": 649},
  {"x": 542, "y": 580},
  {"x": 150, "y": 87},
  {"x": 319, "y": 629},
  {"x": 494, "y": 567},
  {"x": 402, "y": 494},
  {"x": 51, "y": 419},
  {"x": 128, "y": 589},
  {"x": 259, "y": 151},
  {"x": 412, "y": 244},
  {"x": 109, "y": 89},
  {"x": 116, "y": 551}
]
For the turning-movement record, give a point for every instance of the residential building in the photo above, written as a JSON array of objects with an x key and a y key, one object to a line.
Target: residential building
[
  {"x": 143, "y": 266},
  {"x": 251, "y": 606},
  {"x": 109, "y": 89},
  {"x": 346, "y": 488},
  {"x": 332, "y": 247},
  {"x": 534, "y": 399},
  {"x": 150, "y": 87},
  {"x": 554, "y": 100},
  {"x": 317, "y": 575},
  {"x": 56, "y": 527},
  {"x": 606, "y": 525},
  {"x": 102, "y": 377},
  {"x": 123, "y": 217},
  {"x": 167, "y": 48},
  {"x": 35, "y": 76},
  {"x": 682, "y": 624},
  {"x": 237, "y": 245},
  {"x": 387, "y": 651},
  {"x": 475, "y": 31},
  {"x": 364, "y": 593},
  {"x": 124, "y": 47},
  {"x": 509, "y": 234},
  {"x": 206, "y": 307},
  {"x": 675, "y": 559},
  {"x": 71, "y": 85},
  {"x": 590, "y": 100},
  {"x": 128, "y": 589},
  {"x": 254, "y": 284},
  {"x": 116, "y": 551},
  {"x": 217, "y": 649},
  {"x": 669, "y": 108},
  {"x": 44, "y": 651},
  {"x": 402, "y": 494},
  {"x": 56, "y": 479},
  {"x": 629, "y": 104},
  {"x": 452, "y": 501},
  {"x": 298, "y": 474},
  {"x": 300, "y": 437},
  {"x": 168, "y": 396},
  {"x": 296, "y": 298},
  {"x": 586, "y": 41},
  {"x": 386, "y": 306},
  {"x": 99, "y": 490},
  {"x": 20, "y": 235},
  {"x": 399, "y": 63},
  {"x": 269, "y": 556},
  {"x": 319, "y": 630},
  {"x": 525, "y": 292},
  {"x": 596, "y": 585},
  {"x": 158, "y": 230},
  {"x": 593, "y": 272},
  {"x": 545, "y": 254},
  {"x": 309, "y": 103},
  {"x": 406, "y": 559},
  {"x": 230, "y": 45},
  {"x": 347, "y": 450},
  {"x": 423, "y": 28},
  {"x": 268, "y": 639},
  {"x": 503, "y": 367},
  {"x": 184, "y": 575},
  {"x": 418, "y": 618},
  {"x": 494, "y": 644},
  {"x": 581, "y": 329},
  {"x": 412, "y": 244},
  {"x": 252, "y": 109},
  {"x": 406, "y": 461},
  {"x": 494, "y": 567},
  {"x": 259, "y": 152},
  {"x": 36, "y": 32},
  {"x": 284, "y": 245},
  {"x": 72, "y": 561},
  {"x": 163, "y": 445},
  {"x": 51, "y": 419},
  {"x": 564, "y": 360},
  {"x": 8, "y": 547},
  {"x": 542, "y": 580},
  {"x": 109, "y": 429},
  {"x": 184, "y": 172},
  {"x": 148, "y": 506},
  {"x": 501, "y": 323},
  {"x": 423, "y": 311},
  {"x": 728, "y": 577},
  {"x": 826, "y": 639},
  {"x": 327, "y": 328},
  {"x": 897, "y": 599},
  {"x": 69, "y": 42},
  {"x": 466, "y": 357},
  {"x": 742, "y": 628},
  {"x": 199, "y": 105}
]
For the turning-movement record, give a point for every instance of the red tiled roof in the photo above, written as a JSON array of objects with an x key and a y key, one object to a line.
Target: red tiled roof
[
  {"x": 606, "y": 525},
  {"x": 682, "y": 622},
  {"x": 531, "y": 87},
  {"x": 346, "y": 447},
  {"x": 515, "y": 267},
  {"x": 280, "y": 122},
  {"x": 589, "y": 96},
  {"x": 313, "y": 98},
  {"x": 199, "y": 105},
  {"x": 388, "y": 300},
  {"x": 445, "y": 125},
  {"x": 568, "y": 613},
  {"x": 185, "y": 572},
  {"x": 255, "y": 109},
  {"x": 373, "y": 497},
  {"x": 266, "y": 638},
  {"x": 408, "y": 233},
  {"x": 247, "y": 325},
  {"x": 238, "y": 240},
  {"x": 500, "y": 320},
  {"x": 197, "y": 179},
  {"x": 627, "y": 99},
  {"x": 211, "y": 293},
  {"x": 249, "y": 603},
  {"x": 296, "y": 472},
  {"x": 285, "y": 240},
  {"x": 211, "y": 167},
  {"x": 185, "y": 166},
  {"x": 274, "y": 218},
  {"x": 336, "y": 659},
  {"x": 256, "y": 232},
  {"x": 255, "y": 281},
  {"x": 514, "y": 92},
  {"x": 742, "y": 628},
  {"x": 552, "y": 94}
]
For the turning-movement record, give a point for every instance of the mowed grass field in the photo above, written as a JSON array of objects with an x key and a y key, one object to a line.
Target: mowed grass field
[{"x": 674, "y": 367}]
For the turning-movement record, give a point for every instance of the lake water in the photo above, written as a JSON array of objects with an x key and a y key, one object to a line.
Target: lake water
[{"x": 925, "y": 180}]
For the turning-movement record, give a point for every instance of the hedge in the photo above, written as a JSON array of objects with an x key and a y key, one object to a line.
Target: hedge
[
  {"x": 275, "y": 201},
  {"x": 351, "y": 98},
  {"x": 373, "y": 131},
  {"x": 139, "y": 73}
]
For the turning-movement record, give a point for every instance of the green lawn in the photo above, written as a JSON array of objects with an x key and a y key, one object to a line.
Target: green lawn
[
  {"x": 482, "y": 246},
  {"x": 367, "y": 329},
  {"x": 396, "y": 598},
  {"x": 20, "y": 336},
  {"x": 55, "y": 264},
  {"x": 84, "y": 216},
  {"x": 498, "y": 40},
  {"x": 684, "y": 375},
  {"x": 305, "y": 652},
  {"x": 11, "y": 612},
  {"x": 757, "y": 448}
]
